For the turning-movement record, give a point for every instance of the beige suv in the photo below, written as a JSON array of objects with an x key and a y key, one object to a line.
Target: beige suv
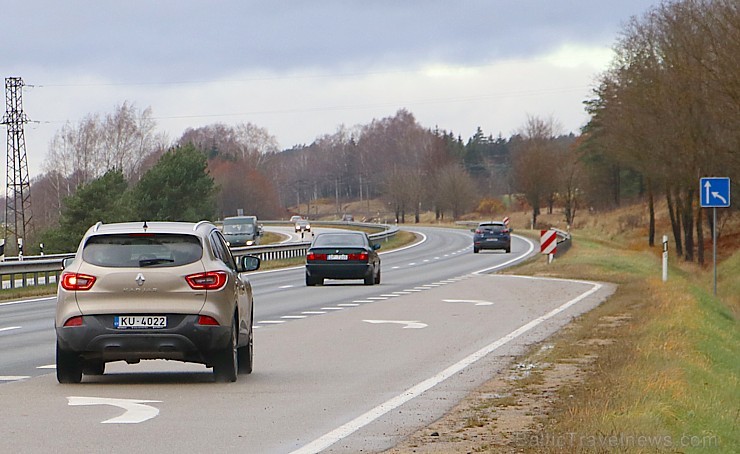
[{"x": 156, "y": 290}]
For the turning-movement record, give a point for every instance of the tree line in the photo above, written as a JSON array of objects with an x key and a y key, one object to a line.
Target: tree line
[{"x": 665, "y": 113}]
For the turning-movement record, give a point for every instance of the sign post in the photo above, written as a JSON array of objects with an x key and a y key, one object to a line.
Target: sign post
[
  {"x": 665, "y": 258},
  {"x": 714, "y": 193}
]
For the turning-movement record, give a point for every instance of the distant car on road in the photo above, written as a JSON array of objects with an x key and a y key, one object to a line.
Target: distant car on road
[
  {"x": 242, "y": 230},
  {"x": 492, "y": 235},
  {"x": 302, "y": 225},
  {"x": 295, "y": 218},
  {"x": 157, "y": 290},
  {"x": 342, "y": 255},
  {"x": 348, "y": 218}
]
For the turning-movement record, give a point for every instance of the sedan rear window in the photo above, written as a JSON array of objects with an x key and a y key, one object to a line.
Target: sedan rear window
[
  {"x": 142, "y": 250},
  {"x": 338, "y": 239}
]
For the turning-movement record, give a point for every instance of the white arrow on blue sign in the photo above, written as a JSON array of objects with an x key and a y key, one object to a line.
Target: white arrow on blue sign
[{"x": 715, "y": 192}]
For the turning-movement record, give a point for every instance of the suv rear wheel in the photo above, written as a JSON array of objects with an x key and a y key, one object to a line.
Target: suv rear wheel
[
  {"x": 226, "y": 361},
  {"x": 69, "y": 366}
]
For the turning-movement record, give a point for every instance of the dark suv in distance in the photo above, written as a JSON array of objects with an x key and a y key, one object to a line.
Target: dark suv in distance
[
  {"x": 156, "y": 290},
  {"x": 492, "y": 235}
]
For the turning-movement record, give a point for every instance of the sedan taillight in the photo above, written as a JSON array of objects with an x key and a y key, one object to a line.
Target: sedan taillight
[
  {"x": 210, "y": 280},
  {"x": 77, "y": 281},
  {"x": 360, "y": 257},
  {"x": 311, "y": 256}
]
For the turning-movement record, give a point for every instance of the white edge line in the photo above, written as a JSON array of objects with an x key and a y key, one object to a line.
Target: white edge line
[
  {"x": 509, "y": 262},
  {"x": 345, "y": 430},
  {"x": 34, "y": 300},
  {"x": 9, "y": 328}
]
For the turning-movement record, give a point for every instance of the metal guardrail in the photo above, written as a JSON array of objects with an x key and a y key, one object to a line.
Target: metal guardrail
[
  {"x": 564, "y": 241},
  {"x": 45, "y": 269}
]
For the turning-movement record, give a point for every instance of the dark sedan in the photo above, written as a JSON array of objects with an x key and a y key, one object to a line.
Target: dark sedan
[
  {"x": 342, "y": 255},
  {"x": 492, "y": 235}
]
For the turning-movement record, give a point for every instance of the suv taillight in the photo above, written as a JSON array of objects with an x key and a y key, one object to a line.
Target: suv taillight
[
  {"x": 210, "y": 280},
  {"x": 77, "y": 281}
]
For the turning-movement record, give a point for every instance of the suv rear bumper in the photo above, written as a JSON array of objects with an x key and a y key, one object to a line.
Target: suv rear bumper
[{"x": 182, "y": 340}]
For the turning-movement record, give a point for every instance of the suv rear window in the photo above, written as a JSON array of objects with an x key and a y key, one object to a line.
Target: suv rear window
[
  {"x": 495, "y": 228},
  {"x": 142, "y": 250}
]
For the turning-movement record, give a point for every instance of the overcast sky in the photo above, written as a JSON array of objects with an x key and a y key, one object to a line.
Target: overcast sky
[{"x": 301, "y": 69}]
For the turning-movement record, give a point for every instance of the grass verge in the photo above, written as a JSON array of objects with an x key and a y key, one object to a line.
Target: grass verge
[{"x": 652, "y": 369}]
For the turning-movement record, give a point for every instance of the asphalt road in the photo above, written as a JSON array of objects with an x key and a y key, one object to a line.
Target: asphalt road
[{"x": 338, "y": 368}]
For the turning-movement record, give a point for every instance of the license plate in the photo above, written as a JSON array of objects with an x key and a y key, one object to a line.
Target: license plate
[
  {"x": 336, "y": 257},
  {"x": 139, "y": 321},
  {"x": 492, "y": 239}
]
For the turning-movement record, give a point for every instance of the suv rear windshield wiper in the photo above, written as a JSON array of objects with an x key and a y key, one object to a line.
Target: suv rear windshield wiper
[{"x": 155, "y": 261}]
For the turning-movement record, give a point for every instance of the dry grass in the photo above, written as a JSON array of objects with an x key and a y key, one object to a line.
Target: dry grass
[{"x": 653, "y": 369}]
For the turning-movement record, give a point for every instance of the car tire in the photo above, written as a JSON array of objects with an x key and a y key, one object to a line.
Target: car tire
[
  {"x": 311, "y": 281},
  {"x": 508, "y": 249},
  {"x": 69, "y": 366},
  {"x": 245, "y": 354},
  {"x": 370, "y": 280},
  {"x": 377, "y": 277},
  {"x": 225, "y": 366},
  {"x": 475, "y": 250},
  {"x": 93, "y": 367}
]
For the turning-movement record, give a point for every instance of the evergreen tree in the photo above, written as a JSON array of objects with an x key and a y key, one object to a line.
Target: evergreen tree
[{"x": 177, "y": 188}]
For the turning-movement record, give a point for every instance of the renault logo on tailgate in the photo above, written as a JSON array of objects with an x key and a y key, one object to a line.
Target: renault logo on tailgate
[{"x": 140, "y": 279}]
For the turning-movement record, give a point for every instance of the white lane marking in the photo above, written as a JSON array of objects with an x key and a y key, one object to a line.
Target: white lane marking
[
  {"x": 48, "y": 366},
  {"x": 332, "y": 308},
  {"x": 313, "y": 312},
  {"x": 348, "y": 305},
  {"x": 402, "y": 293},
  {"x": 9, "y": 328},
  {"x": 286, "y": 286},
  {"x": 395, "y": 267},
  {"x": 362, "y": 301},
  {"x": 388, "y": 295},
  {"x": 377, "y": 298},
  {"x": 476, "y": 302},
  {"x": 34, "y": 300},
  {"x": 13, "y": 377},
  {"x": 345, "y": 430},
  {"x": 291, "y": 317},
  {"x": 271, "y": 322},
  {"x": 412, "y": 324},
  {"x": 412, "y": 264},
  {"x": 412, "y": 290},
  {"x": 135, "y": 413}
]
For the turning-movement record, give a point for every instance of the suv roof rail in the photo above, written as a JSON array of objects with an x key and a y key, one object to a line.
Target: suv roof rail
[{"x": 195, "y": 227}]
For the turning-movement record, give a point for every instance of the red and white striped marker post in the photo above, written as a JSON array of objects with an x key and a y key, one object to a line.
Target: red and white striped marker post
[
  {"x": 548, "y": 243},
  {"x": 506, "y": 221}
]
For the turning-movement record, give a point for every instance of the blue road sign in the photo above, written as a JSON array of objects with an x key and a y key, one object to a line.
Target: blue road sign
[{"x": 715, "y": 192}]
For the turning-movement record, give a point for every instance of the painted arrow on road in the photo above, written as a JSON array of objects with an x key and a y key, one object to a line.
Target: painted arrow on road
[
  {"x": 476, "y": 302},
  {"x": 409, "y": 324},
  {"x": 136, "y": 411}
]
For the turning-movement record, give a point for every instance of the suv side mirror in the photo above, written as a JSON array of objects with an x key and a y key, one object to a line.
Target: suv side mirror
[{"x": 249, "y": 263}]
